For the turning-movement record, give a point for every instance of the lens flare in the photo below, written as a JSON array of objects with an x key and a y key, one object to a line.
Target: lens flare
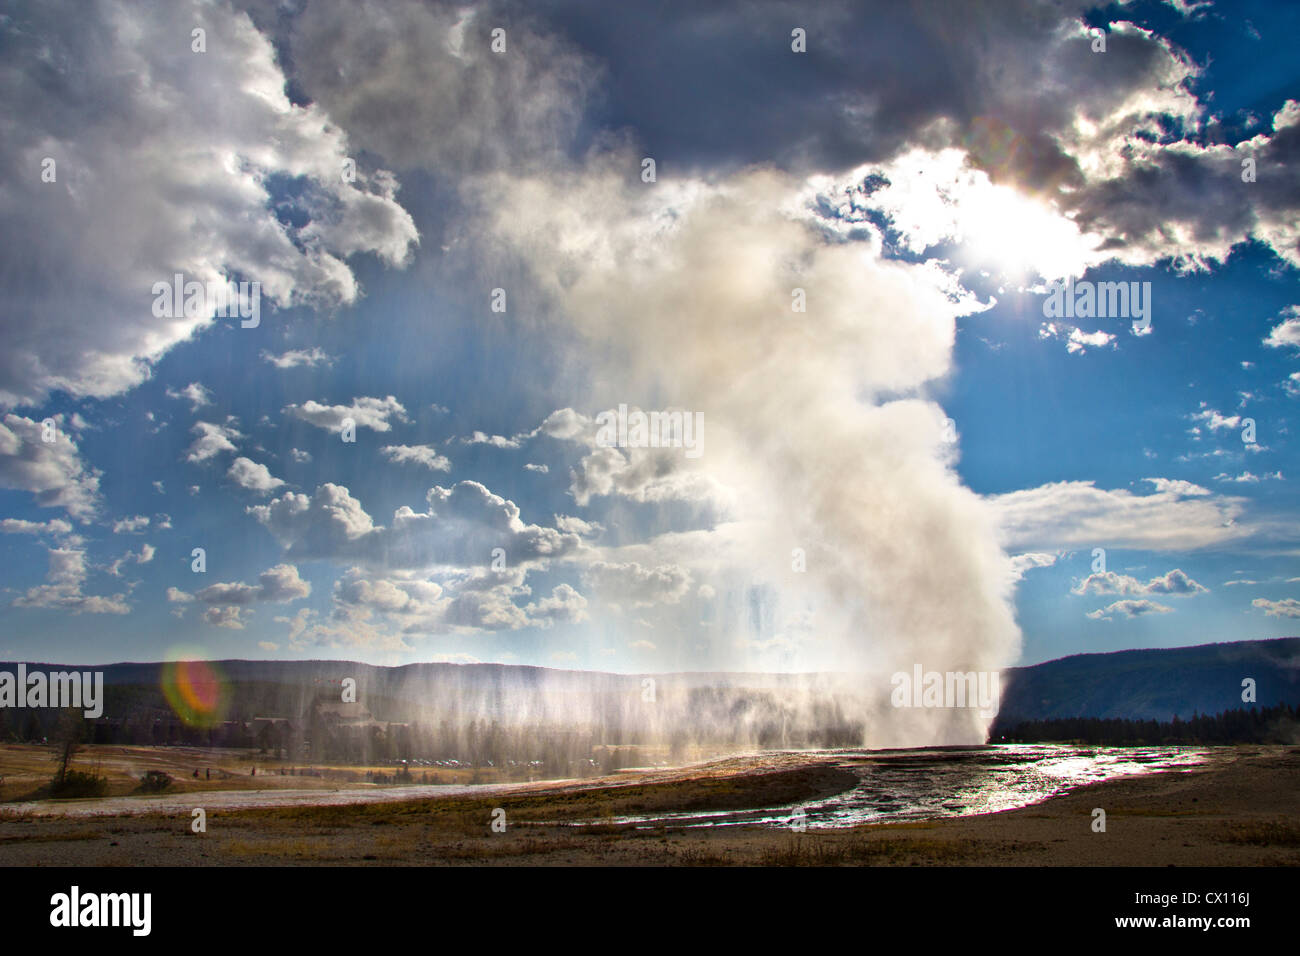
[
  {"x": 195, "y": 689},
  {"x": 993, "y": 145}
]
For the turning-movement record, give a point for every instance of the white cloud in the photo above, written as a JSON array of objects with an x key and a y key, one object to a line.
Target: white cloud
[
  {"x": 1177, "y": 516},
  {"x": 564, "y": 606},
  {"x": 412, "y": 603},
  {"x": 121, "y": 214},
  {"x": 1077, "y": 341},
  {"x": 637, "y": 586},
  {"x": 1249, "y": 478},
  {"x": 51, "y": 471},
  {"x": 424, "y": 455},
  {"x": 372, "y": 413},
  {"x": 212, "y": 440},
  {"x": 1213, "y": 420},
  {"x": 253, "y": 476},
  {"x": 131, "y": 525},
  {"x": 1287, "y": 607},
  {"x": 279, "y": 584},
  {"x": 1175, "y": 582},
  {"x": 1128, "y": 609},
  {"x": 1287, "y": 333},
  {"x": 293, "y": 358},
  {"x": 143, "y": 556},
  {"x": 578, "y": 526},
  {"x": 227, "y": 603},
  {"x": 463, "y": 525},
  {"x": 1178, "y": 487},
  {"x": 496, "y": 441},
  {"x": 63, "y": 591},
  {"x": 194, "y": 393},
  {"x": 22, "y": 526},
  {"x": 1022, "y": 564},
  {"x": 228, "y": 616}
]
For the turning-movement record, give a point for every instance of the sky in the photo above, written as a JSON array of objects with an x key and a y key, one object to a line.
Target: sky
[{"x": 456, "y": 260}]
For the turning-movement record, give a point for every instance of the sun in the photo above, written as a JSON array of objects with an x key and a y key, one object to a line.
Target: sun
[{"x": 1018, "y": 236}]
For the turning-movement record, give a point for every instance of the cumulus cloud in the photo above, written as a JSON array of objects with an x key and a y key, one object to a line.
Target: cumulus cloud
[
  {"x": 228, "y": 616},
  {"x": 461, "y": 529},
  {"x": 635, "y": 585},
  {"x": 426, "y": 572},
  {"x": 253, "y": 476},
  {"x": 375, "y": 81},
  {"x": 579, "y": 526},
  {"x": 496, "y": 441},
  {"x": 22, "y": 526},
  {"x": 1077, "y": 341},
  {"x": 1022, "y": 564},
  {"x": 120, "y": 214},
  {"x": 63, "y": 590},
  {"x": 563, "y": 606},
  {"x": 1177, "y": 516},
  {"x": 293, "y": 358},
  {"x": 228, "y": 604},
  {"x": 279, "y": 584},
  {"x": 1287, "y": 333},
  {"x": 1175, "y": 582},
  {"x": 414, "y": 603},
  {"x": 52, "y": 472},
  {"x": 1287, "y": 607},
  {"x": 643, "y": 474},
  {"x": 1213, "y": 420},
  {"x": 424, "y": 455},
  {"x": 372, "y": 413},
  {"x": 1249, "y": 478},
  {"x": 131, "y": 525},
  {"x": 143, "y": 556},
  {"x": 194, "y": 393},
  {"x": 212, "y": 439},
  {"x": 1128, "y": 609}
]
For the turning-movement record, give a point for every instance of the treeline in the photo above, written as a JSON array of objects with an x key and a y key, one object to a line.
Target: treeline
[{"x": 1257, "y": 725}]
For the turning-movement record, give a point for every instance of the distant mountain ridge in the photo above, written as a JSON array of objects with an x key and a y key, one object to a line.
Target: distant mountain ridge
[
  {"x": 1150, "y": 684},
  {"x": 1153, "y": 684}
]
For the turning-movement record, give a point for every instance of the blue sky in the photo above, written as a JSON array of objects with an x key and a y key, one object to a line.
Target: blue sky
[{"x": 924, "y": 212}]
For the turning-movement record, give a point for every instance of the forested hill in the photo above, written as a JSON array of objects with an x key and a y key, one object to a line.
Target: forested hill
[{"x": 1156, "y": 684}]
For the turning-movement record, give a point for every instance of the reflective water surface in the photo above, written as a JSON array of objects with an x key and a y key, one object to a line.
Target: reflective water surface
[{"x": 936, "y": 782}]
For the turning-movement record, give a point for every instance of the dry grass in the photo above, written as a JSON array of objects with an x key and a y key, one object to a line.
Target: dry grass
[
  {"x": 69, "y": 836},
  {"x": 814, "y": 851},
  {"x": 1279, "y": 832}
]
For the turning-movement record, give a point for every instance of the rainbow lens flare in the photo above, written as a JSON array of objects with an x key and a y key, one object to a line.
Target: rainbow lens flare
[{"x": 196, "y": 691}]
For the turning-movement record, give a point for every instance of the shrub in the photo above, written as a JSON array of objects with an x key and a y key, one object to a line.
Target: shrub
[
  {"x": 155, "y": 781},
  {"x": 74, "y": 783}
]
